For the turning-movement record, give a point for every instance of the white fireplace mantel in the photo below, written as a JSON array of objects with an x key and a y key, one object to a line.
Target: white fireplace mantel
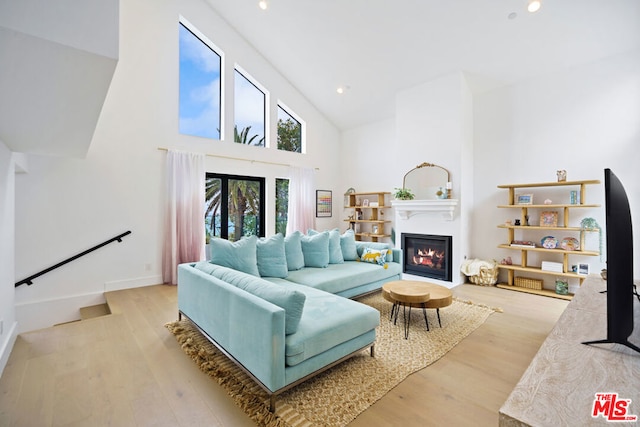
[{"x": 405, "y": 209}]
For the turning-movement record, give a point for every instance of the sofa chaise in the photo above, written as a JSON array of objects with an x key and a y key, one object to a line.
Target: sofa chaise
[{"x": 280, "y": 308}]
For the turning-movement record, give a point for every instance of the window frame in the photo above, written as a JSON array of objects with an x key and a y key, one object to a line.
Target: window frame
[
  {"x": 238, "y": 69},
  {"x": 224, "y": 206},
  {"x": 303, "y": 127},
  {"x": 207, "y": 42},
  {"x": 284, "y": 233}
]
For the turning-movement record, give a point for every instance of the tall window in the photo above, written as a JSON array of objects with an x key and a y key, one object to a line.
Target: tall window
[
  {"x": 289, "y": 132},
  {"x": 234, "y": 206},
  {"x": 200, "y": 86},
  {"x": 282, "y": 205},
  {"x": 250, "y": 108}
]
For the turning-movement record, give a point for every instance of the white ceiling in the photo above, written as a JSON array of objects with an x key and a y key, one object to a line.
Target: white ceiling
[{"x": 378, "y": 47}]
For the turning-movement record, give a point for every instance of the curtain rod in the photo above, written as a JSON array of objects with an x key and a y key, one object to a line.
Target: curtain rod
[{"x": 237, "y": 158}]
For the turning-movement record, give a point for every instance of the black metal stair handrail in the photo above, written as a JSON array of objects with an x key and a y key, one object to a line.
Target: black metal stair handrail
[{"x": 29, "y": 280}]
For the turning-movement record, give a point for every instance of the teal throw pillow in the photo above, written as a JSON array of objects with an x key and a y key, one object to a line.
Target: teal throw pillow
[
  {"x": 240, "y": 255},
  {"x": 335, "y": 250},
  {"x": 271, "y": 256},
  {"x": 293, "y": 251},
  {"x": 348, "y": 246},
  {"x": 315, "y": 250}
]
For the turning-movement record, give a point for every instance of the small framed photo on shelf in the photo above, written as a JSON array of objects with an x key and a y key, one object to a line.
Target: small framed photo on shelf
[
  {"x": 374, "y": 229},
  {"x": 524, "y": 199},
  {"x": 323, "y": 203},
  {"x": 580, "y": 269},
  {"x": 549, "y": 219},
  {"x": 365, "y": 203}
]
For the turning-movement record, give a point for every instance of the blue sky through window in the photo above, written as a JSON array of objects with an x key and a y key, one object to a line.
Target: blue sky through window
[
  {"x": 199, "y": 87},
  {"x": 249, "y": 108}
]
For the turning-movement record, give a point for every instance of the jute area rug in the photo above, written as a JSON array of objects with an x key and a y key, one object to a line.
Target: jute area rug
[{"x": 337, "y": 396}]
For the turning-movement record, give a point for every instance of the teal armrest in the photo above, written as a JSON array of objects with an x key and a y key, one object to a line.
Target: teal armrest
[{"x": 221, "y": 310}]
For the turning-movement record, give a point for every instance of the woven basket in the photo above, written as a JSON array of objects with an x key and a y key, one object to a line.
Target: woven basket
[
  {"x": 527, "y": 282},
  {"x": 487, "y": 276}
]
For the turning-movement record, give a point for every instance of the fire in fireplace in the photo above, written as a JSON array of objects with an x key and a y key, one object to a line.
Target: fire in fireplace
[{"x": 427, "y": 255}]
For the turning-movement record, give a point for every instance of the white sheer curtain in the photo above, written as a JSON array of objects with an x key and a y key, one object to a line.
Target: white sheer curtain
[
  {"x": 184, "y": 217},
  {"x": 302, "y": 199}
]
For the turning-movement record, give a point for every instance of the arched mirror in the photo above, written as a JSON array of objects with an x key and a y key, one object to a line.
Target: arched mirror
[{"x": 428, "y": 181}]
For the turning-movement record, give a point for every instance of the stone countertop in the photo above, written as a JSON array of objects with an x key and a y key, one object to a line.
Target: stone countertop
[{"x": 559, "y": 386}]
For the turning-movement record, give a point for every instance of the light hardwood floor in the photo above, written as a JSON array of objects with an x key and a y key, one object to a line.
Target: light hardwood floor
[{"x": 126, "y": 369}]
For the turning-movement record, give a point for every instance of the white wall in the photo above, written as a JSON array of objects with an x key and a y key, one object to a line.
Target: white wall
[
  {"x": 583, "y": 120},
  {"x": 8, "y": 329},
  {"x": 64, "y": 206}
]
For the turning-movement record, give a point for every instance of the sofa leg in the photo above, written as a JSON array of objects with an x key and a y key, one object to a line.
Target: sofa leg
[
  {"x": 373, "y": 353},
  {"x": 272, "y": 403}
]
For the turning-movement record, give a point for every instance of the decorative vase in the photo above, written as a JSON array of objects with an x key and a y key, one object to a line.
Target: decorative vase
[{"x": 562, "y": 287}]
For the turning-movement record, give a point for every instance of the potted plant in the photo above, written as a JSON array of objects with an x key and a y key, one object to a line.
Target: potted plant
[{"x": 403, "y": 194}]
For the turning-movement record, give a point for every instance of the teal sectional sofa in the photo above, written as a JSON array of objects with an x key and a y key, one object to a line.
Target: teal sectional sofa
[{"x": 280, "y": 308}]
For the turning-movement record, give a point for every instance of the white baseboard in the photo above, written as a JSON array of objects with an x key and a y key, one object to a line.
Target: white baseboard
[
  {"x": 7, "y": 345},
  {"x": 139, "y": 282}
]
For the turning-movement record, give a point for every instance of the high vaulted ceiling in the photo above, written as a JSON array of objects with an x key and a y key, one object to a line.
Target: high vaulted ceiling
[{"x": 378, "y": 48}]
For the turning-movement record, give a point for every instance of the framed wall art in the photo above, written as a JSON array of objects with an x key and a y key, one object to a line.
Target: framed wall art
[
  {"x": 549, "y": 219},
  {"x": 323, "y": 203},
  {"x": 524, "y": 199}
]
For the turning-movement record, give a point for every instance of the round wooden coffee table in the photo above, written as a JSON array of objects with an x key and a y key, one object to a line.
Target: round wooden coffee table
[
  {"x": 439, "y": 296},
  {"x": 407, "y": 294}
]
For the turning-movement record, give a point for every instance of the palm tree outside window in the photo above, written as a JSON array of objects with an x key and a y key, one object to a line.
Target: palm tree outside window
[{"x": 234, "y": 206}]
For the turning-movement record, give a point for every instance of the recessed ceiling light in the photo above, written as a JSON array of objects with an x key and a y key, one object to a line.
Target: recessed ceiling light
[
  {"x": 534, "y": 5},
  {"x": 262, "y": 4},
  {"x": 342, "y": 89}
]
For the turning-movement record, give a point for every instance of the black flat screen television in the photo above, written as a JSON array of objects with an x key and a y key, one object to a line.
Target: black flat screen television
[{"x": 620, "y": 289}]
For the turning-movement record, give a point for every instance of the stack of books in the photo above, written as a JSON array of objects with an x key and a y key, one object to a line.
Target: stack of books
[
  {"x": 523, "y": 244},
  {"x": 552, "y": 266}
]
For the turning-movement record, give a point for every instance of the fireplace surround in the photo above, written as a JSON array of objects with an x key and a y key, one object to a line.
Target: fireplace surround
[{"x": 427, "y": 255}]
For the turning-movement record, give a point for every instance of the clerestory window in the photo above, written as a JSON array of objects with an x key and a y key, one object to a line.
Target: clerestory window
[
  {"x": 289, "y": 131},
  {"x": 250, "y": 111},
  {"x": 200, "y": 85}
]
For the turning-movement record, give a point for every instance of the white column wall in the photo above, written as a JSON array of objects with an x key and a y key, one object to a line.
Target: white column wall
[
  {"x": 583, "y": 120},
  {"x": 8, "y": 330},
  {"x": 64, "y": 206}
]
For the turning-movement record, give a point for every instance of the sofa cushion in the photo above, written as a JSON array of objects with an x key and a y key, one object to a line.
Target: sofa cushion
[
  {"x": 335, "y": 250},
  {"x": 374, "y": 245},
  {"x": 240, "y": 255},
  {"x": 348, "y": 246},
  {"x": 337, "y": 278},
  {"x": 375, "y": 256},
  {"x": 291, "y": 300},
  {"x": 315, "y": 250},
  {"x": 328, "y": 320},
  {"x": 293, "y": 251},
  {"x": 271, "y": 256}
]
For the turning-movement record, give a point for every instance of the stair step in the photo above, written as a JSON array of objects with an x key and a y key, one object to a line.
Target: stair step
[{"x": 94, "y": 311}]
